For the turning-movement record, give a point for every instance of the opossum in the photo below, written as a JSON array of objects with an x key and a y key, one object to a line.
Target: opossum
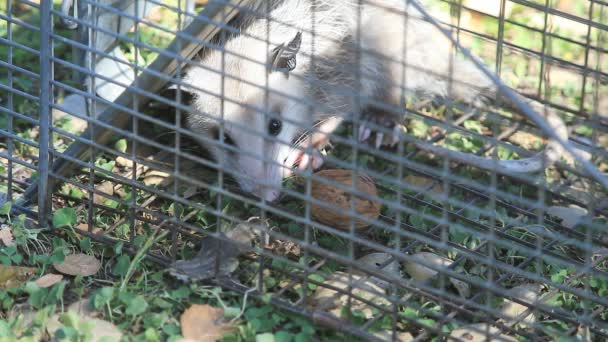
[{"x": 311, "y": 64}]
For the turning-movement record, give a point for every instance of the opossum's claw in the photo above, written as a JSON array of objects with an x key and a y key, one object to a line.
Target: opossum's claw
[
  {"x": 364, "y": 133},
  {"x": 395, "y": 134},
  {"x": 379, "y": 118},
  {"x": 379, "y": 139}
]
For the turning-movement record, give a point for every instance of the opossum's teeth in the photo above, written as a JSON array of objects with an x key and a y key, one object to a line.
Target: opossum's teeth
[
  {"x": 315, "y": 160},
  {"x": 302, "y": 160}
]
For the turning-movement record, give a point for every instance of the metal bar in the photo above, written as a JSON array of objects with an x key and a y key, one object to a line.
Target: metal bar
[
  {"x": 10, "y": 129},
  {"x": 508, "y": 236},
  {"x": 46, "y": 99}
]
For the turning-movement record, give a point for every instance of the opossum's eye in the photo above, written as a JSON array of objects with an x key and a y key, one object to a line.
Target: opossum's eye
[{"x": 274, "y": 127}]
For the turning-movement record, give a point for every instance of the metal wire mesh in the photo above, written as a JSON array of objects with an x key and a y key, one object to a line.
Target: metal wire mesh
[{"x": 505, "y": 254}]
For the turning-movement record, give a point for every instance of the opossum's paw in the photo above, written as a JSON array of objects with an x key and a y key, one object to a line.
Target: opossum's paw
[{"x": 382, "y": 138}]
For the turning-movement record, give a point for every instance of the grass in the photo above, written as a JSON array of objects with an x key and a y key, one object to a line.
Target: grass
[{"x": 140, "y": 297}]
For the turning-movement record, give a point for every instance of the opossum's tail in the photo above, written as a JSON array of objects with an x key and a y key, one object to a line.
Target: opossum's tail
[{"x": 541, "y": 160}]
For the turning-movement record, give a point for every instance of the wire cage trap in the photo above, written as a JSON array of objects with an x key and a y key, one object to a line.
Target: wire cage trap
[{"x": 432, "y": 236}]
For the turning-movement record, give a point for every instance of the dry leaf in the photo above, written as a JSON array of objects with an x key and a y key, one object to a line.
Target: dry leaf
[
  {"x": 13, "y": 276},
  {"x": 28, "y": 315},
  {"x": 388, "y": 336},
  {"x": 82, "y": 226},
  {"x": 85, "y": 228},
  {"x": 124, "y": 162},
  {"x": 101, "y": 329},
  {"x": 6, "y": 236},
  {"x": 480, "y": 332},
  {"x": 106, "y": 188},
  {"x": 155, "y": 177},
  {"x": 105, "y": 330},
  {"x": 572, "y": 160},
  {"x": 422, "y": 273},
  {"x": 78, "y": 264},
  {"x": 52, "y": 324},
  {"x": 75, "y": 104},
  {"x": 83, "y": 307},
  {"x": 463, "y": 288},
  {"x": 377, "y": 260},
  {"x": 48, "y": 280},
  {"x": 327, "y": 299},
  {"x": 570, "y": 216},
  {"x": 526, "y": 140},
  {"x": 204, "y": 323},
  {"x": 510, "y": 310}
]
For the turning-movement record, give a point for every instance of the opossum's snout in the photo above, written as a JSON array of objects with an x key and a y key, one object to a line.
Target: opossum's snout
[
  {"x": 268, "y": 194},
  {"x": 262, "y": 179}
]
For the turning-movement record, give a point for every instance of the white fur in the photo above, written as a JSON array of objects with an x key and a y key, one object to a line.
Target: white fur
[{"x": 328, "y": 75}]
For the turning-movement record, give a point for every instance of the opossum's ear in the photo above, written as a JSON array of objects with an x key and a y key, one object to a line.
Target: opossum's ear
[
  {"x": 171, "y": 94},
  {"x": 283, "y": 57}
]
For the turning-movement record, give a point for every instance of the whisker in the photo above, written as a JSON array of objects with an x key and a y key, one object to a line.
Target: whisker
[{"x": 308, "y": 132}]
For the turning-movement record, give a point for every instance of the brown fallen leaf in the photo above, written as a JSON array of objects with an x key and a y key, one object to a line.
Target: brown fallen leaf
[
  {"x": 83, "y": 307},
  {"x": 422, "y": 273},
  {"x": 106, "y": 188},
  {"x": 204, "y": 323},
  {"x": 75, "y": 104},
  {"x": 85, "y": 228},
  {"x": 25, "y": 314},
  {"x": 78, "y": 264},
  {"x": 511, "y": 310},
  {"x": 387, "y": 335},
  {"x": 526, "y": 140},
  {"x": 480, "y": 332},
  {"x": 124, "y": 162},
  {"x": 101, "y": 330},
  {"x": 104, "y": 331},
  {"x": 379, "y": 260},
  {"x": 155, "y": 177},
  {"x": 48, "y": 280},
  {"x": 570, "y": 216},
  {"x": 6, "y": 236},
  {"x": 328, "y": 299},
  {"x": 13, "y": 276}
]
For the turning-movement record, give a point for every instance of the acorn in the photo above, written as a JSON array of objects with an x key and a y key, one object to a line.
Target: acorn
[{"x": 331, "y": 195}]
